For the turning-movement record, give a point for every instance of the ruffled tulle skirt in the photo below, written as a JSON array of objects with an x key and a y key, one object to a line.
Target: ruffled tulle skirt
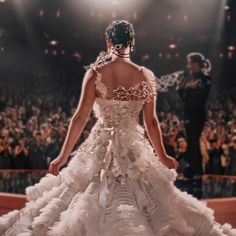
[{"x": 113, "y": 185}]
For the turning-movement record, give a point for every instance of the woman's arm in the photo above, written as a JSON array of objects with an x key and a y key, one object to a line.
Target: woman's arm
[
  {"x": 152, "y": 126},
  {"x": 77, "y": 122}
]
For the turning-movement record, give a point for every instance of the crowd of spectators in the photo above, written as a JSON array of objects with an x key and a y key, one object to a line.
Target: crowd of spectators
[
  {"x": 34, "y": 117},
  {"x": 217, "y": 142},
  {"x": 35, "y": 114}
]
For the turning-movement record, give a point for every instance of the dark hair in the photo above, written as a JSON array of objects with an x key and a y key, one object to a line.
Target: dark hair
[
  {"x": 121, "y": 34},
  {"x": 199, "y": 58}
]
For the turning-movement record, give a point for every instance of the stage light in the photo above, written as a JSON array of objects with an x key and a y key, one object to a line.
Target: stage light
[
  {"x": 107, "y": 6},
  {"x": 22, "y": 10},
  {"x": 78, "y": 56},
  {"x": 172, "y": 46},
  {"x": 145, "y": 57},
  {"x": 41, "y": 12},
  {"x": 230, "y": 55},
  {"x": 231, "y": 48},
  {"x": 58, "y": 13},
  {"x": 53, "y": 42},
  {"x": 226, "y": 7},
  {"x": 2, "y": 1},
  {"x": 168, "y": 17},
  {"x": 221, "y": 55}
]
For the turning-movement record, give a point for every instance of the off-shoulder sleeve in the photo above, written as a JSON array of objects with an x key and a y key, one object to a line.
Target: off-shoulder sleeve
[{"x": 151, "y": 88}]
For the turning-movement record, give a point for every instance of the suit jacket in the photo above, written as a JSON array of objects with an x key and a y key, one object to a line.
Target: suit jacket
[{"x": 194, "y": 99}]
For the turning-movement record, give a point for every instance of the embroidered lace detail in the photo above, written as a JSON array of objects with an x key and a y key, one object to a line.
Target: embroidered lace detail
[
  {"x": 142, "y": 90},
  {"x": 100, "y": 86},
  {"x": 137, "y": 92}
]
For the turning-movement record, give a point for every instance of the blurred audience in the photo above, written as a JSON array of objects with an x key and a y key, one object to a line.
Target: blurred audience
[{"x": 35, "y": 114}]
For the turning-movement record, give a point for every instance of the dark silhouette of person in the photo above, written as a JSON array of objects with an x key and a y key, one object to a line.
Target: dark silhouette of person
[
  {"x": 214, "y": 165},
  {"x": 231, "y": 167},
  {"x": 21, "y": 154},
  {"x": 193, "y": 90},
  {"x": 37, "y": 154}
]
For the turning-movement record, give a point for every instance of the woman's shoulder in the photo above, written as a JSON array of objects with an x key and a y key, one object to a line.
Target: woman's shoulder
[
  {"x": 108, "y": 68},
  {"x": 146, "y": 71},
  {"x": 148, "y": 75},
  {"x": 150, "y": 79}
]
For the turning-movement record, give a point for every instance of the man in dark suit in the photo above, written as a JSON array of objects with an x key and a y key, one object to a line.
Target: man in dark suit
[{"x": 194, "y": 90}]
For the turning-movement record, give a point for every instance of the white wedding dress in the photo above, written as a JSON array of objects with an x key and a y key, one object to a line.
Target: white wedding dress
[{"x": 114, "y": 184}]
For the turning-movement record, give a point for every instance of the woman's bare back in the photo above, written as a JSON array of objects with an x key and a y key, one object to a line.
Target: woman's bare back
[{"x": 120, "y": 73}]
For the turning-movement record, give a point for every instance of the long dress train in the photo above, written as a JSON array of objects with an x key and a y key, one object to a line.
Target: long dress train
[{"x": 113, "y": 185}]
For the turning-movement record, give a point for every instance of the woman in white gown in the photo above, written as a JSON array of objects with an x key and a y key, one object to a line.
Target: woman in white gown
[{"x": 117, "y": 182}]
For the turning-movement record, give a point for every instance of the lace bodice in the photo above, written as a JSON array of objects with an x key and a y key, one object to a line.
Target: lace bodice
[
  {"x": 143, "y": 89},
  {"x": 124, "y": 104},
  {"x": 115, "y": 113}
]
